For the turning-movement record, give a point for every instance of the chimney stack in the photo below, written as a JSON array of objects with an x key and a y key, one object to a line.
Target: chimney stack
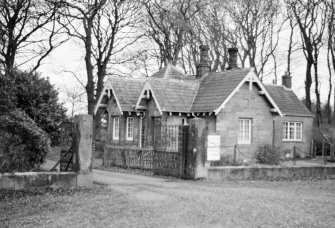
[
  {"x": 203, "y": 67},
  {"x": 287, "y": 80},
  {"x": 232, "y": 61}
]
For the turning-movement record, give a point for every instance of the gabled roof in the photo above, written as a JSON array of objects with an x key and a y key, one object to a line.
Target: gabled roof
[
  {"x": 125, "y": 90},
  {"x": 287, "y": 101},
  {"x": 215, "y": 88},
  {"x": 176, "y": 92},
  {"x": 171, "y": 72},
  {"x": 174, "y": 95}
]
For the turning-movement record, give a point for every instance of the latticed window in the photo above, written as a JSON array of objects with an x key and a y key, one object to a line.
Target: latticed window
[
  {"x": 292, "y": 131},
  {"x": 130, "y": 128},
  {"x": 244, "y": 131},
  {"x": 116, "y": 127}
]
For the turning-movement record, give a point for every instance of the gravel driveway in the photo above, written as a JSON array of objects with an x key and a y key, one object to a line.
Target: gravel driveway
[{"x": 180, "y": 203}]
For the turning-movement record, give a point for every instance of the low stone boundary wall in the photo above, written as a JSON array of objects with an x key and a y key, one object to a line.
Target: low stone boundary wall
[
  {"x": 270, "y": 173},
  {"x": 31, "y": 180}
]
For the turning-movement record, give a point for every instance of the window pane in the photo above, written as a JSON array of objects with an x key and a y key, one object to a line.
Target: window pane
[
  {"x": 116, "y": 122},
  {"x": 244, "y": 130},
  {"x": 292, "y": 130},
  {"x": 285, "y": 130},
  {"x": 130, "y": 128},
  {"x": 298, "y": 131}
]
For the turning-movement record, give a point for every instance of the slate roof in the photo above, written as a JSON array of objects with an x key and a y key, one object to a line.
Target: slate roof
[
  {"x": 176, "y": 92},
  {"x": 215, "y": 88},
  {"x": 171, "y": 72},
  {"x": 127, "y": 91},
  {"x": 288, "y": 103},
  {"x": 174, "y": 95}
]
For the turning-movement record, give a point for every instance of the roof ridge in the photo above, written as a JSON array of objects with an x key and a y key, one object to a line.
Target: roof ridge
[
  {"x": 127, "y": 78},
  {"x": 174, "y": 80}
]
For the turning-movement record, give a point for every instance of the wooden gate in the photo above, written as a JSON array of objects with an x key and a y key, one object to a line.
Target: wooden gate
[{"x": 170, "y": 148}]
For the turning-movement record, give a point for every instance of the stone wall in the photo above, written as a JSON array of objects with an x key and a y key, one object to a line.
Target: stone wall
[
  {"x": 245, "y": 104},
  {"x": 31, "y": 180},
  {"x": 270, "y": 173}
]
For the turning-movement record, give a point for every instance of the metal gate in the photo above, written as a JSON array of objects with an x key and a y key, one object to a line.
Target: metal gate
[{"x": 170, "y": 148}]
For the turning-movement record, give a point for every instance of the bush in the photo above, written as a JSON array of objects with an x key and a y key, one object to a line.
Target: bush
[
  {"x": 38, "y": 98},
  {"x": 227, "y": 161},
  {"x": 23, "y": 145},
  {"x": 268, "y": 155}
]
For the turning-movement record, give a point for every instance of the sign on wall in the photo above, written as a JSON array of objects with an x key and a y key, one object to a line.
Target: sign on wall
[{"x": 213, "y": 147}]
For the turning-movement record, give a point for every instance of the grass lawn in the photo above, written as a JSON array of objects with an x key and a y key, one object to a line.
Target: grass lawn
[{"x": 177, "y": 204}]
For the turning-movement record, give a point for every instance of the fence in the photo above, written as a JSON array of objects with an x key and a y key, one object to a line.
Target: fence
[
  {"x": 129, "y": 157},
  {"x": 167, "y": 155}
]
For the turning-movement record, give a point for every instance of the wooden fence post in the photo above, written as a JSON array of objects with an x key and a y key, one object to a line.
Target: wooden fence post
[
  {"x": 323, "y": 153},
  {"x": 235, "y": 147},
  {"x": 293, "y": 158}
]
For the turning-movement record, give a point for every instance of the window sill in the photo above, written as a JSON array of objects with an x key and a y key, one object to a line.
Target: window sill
[
  {"x": 244, "y": 143},
  {"x": 292, "y": 141}
]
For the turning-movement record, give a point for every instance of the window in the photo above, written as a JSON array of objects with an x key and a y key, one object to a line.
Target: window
[
  {"x": 116, "y": 127},
  {"x": 244, "y": 131},
  {"x": 104, "y": 121},
  {"x": 292, "y": 131},
  {"x": 130, "y": 128}
]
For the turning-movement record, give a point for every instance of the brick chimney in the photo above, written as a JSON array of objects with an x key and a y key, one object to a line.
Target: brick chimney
[
  {"x": 203, "y": 67},
  {"x": 232, "y": 61},
  {"x": 287, "y": 80}
]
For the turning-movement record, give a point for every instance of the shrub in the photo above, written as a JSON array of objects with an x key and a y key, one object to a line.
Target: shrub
[
  {"x": 38, "y": 98},
  {"x": 23, "y": 145},
  {"x": 227, "y": 161},
  {"x": 268, "y": 155}
]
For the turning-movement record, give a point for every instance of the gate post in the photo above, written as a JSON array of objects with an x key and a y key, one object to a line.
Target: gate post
[
  {"x": 196, "y": 153},
  {"x": 83, "y": 129}
]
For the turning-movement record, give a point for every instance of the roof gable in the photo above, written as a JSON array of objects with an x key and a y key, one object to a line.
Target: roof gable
[
  {"x": 287, "y": 101},
  {"x": 215, "y": 89},
  {"x": 174, "y": 95},
  {"x": 125, "y": 90}
]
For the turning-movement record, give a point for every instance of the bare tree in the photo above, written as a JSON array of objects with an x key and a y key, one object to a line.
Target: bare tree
[
  {"x": 28, "y": 31},
  {"x": 311, "y": 17},
  {"x": 168, "y": 23},
  {"x": 106, "y": 30},
  {"x": 210, "y": 26},
  {"x": 257, "y": 30}
]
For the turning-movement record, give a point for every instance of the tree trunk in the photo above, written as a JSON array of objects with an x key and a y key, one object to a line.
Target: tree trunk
[
  {"x": 328, "y": 107},
  {"x": 290, "y": 49},
  {"x": 89, "y": 67},
  {"x": 317, "y": 91},
  {"x": 308, "y": 83}
]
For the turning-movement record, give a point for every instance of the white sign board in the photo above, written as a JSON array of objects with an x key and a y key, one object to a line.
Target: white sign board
[{"x": 213, "y": 147}]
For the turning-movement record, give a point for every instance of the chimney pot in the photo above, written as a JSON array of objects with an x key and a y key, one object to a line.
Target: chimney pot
[
  {"x": 287, "y": 80},
  {"x": 203, "y": 67},
  {"x": 232, "y": 61}
]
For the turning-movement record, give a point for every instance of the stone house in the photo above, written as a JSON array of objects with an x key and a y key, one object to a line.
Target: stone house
[{"x": 235, "y": 104}]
